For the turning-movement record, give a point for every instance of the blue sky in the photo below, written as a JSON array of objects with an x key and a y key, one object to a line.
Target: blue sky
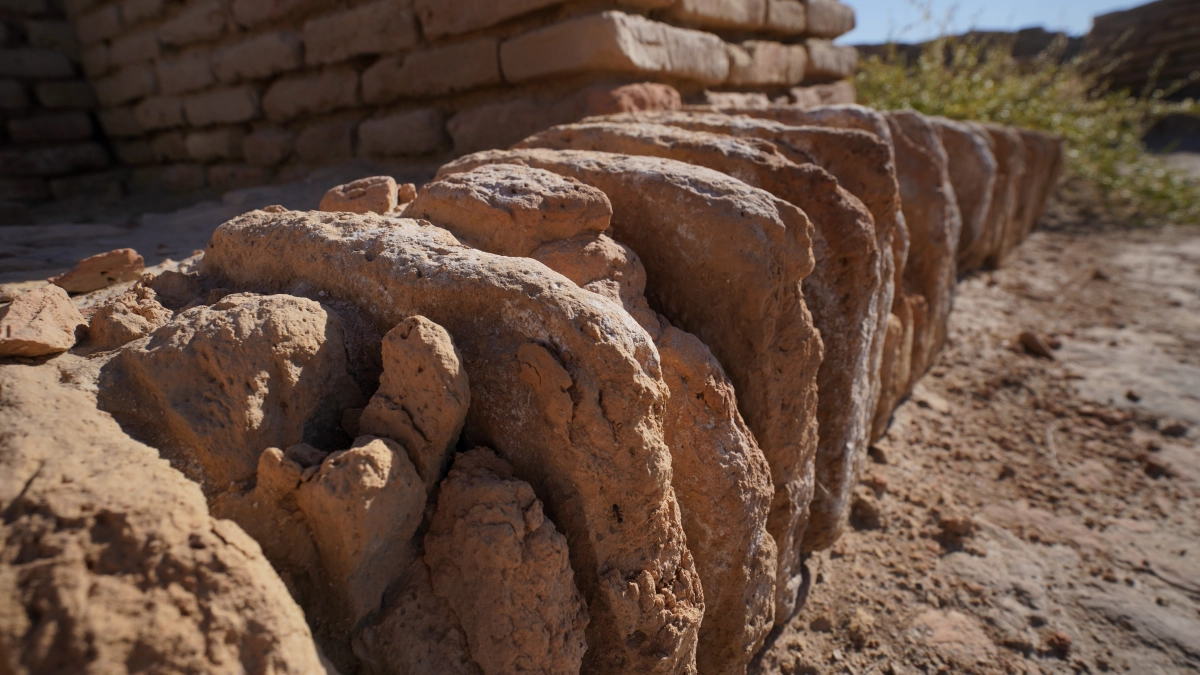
[{"x": 879, "y": 20}]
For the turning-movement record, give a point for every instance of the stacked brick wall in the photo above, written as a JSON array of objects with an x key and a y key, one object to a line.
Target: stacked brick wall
[
  {"x": 48, "y": 135},
  {"x": 1168, "y": 29},
  {"x": 227, "y": 93}
]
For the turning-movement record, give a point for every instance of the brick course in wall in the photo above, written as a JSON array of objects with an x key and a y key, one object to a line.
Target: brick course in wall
[
  {"x": 50, "y": 142},
  {"x": 231, "y": 91}
]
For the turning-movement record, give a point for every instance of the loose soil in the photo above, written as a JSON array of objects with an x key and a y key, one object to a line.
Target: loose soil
[{"x": 1027, "y": 514}]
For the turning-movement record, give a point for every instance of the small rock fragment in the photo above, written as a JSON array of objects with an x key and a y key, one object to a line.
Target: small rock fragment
[
  {"x": 376, "y": 194},
  {"x": 134, "y": 314},
  {"x": 276, "y": 363},
  {"x": 101, "y": 271},
  {"x": 956, "y": 526},
  {"x": 541, "y": 207},
  {"x": 406, "y": 193},
  {"x": 862, "y": 624},
  {"x": 39, "y": 322},
  {"x": 423, "y": 396},
  {"x": 503, "y": 569},
  {"x": 865, "y": 513},
  {"x": 1058, "y": 644},
  {"x": 364, "y": 506},
  {"x": 1036, "y": 345},
  {"x": 1172, "y": 427}
]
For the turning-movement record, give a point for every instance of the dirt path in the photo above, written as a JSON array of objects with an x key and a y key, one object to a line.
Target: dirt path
[{"x": 1023, "y": 514}]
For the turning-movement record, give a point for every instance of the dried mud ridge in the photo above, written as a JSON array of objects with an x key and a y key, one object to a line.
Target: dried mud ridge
[{"x": 589, "y": 404}]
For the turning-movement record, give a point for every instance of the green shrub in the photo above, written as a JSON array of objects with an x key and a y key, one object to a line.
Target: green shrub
[{"x": 973, "y": 80}]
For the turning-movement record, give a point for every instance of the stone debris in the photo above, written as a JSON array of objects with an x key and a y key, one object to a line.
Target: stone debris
[
  {"x": 670, "y": 338},
  {"x": 132, "y": 315},
  {"x": 491, "y": 551},
  {"x": 713, "y": 454},
  {"x": 101, "y": 271},
  {"x": 114, "y": 553},
  {"x": 558, "y": 378},
  {"x": 377, "y": 194},
  {"x": 277, "y": 363},
  {"x": 423, "y": 396},
  {"x": 685, "y": 223},
  {"x": 39, "y": 322}
]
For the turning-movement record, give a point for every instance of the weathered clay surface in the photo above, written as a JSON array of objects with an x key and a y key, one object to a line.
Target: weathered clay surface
[
  {"x": 973, "y": 175},
  {"x": 685, "y": 223},
  {"x": 111, "y": 562},
  {"x": 842, "y": 292},
  {"x": 423, "y": 396},
  {"x": 855, "y": 146},
  {"x": 934, "y": 223},
  {"x": 276, "y": 365},
  {"x": 504, "y": 571},
  {"x": 714, "y": 457},
  {"x": 1009, "y": 149},
  {"x": 364, "y": 506},
  {"x": 132, "y": 315},
  {"x": 541, "y": 355},
  {"x": 376, "y": 194},
  {"x": 101, "y": 271},
  {"x": 415, "y": 634},
  {"x": 533, "y": 207},
  {"x": 1043, "y": 161},
  {"x": 39, "y": 322}
]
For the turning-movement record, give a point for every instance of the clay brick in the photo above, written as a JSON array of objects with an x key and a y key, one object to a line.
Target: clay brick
[
  {"x": 202, "y": 21},
  {"x": 76, "y": 8},
  {"x": 829, "y": 18},
  {"x": 12, "y": 95},
  {"x": 727, "y": 14},
  {"x": 32, "y": 63},
  {"x": 259, "y": 57},
  {"x": 500, "y": 124},
  {"x": 251, "y": 13},
  {"x": 226, "y": 177},
  {"x": 56, "y": 160},
  {"x": 836, "y": 93},
  {"x": 268, "y": 147},
  {"x": 313, "y": 93},
  {"x": 381, "y": 26},
  {"x": 408, "y": 133},
  {"x": 222, "y": 106},
  {"x": 134, "y": 153},
  {"x": 766, "y": 64},
  {"x": 99, "y": 24},
  {"x": 134, "y": 47},
  {"x": 127, "y": 84},
  {"x": 58, "y": 36},
  {"x": 789, "y": 17},
  {"x": 119, "y": 122},
  {"x": 215, "y": 144},
  {"x": 189, "y": 72},
  {"x": 21, "y": 189},
  {"x": 169, "y": 147},
  {"x": 828, "y": 62},
  {"x": 182, "y": 178},
  {"x": 440, "y": 18},
  {"x": 434, "y": 72},
  {"x": 95, "y": 60},
  {"x": 51, "y": 128},
  {"x": 25, "y": 7},
  {"x": 105, "y": 186},
  {"x": 134, "y": 11},
  {"x": 325, "y": 142},
  {"x": 159, "y": 112},
  {"x": 76, "y": 94},
  {"x": 618, "y": 43}
]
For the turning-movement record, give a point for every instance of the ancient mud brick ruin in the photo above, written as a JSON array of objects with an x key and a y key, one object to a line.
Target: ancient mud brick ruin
[
  {"x": 585, "y": 404},
  {"x": 1168, "y": 30},
  {"x": 234, "y": 93}
]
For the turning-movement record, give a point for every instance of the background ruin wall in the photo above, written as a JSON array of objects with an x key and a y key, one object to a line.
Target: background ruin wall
[{"x": 225, "y": 94}]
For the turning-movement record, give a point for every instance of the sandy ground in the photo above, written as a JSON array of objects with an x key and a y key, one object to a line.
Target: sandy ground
[{"x": 1025, "y": 514}]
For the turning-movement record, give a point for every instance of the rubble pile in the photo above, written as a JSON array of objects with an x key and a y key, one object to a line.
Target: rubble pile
[{"x": 582, "y": 405}]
